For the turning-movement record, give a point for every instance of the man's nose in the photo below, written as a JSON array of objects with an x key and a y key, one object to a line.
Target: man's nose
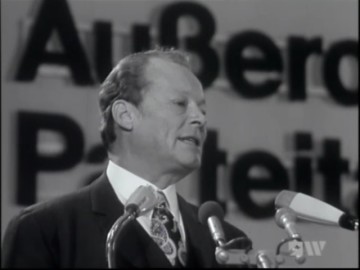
[{"x": 197, "y": 116}]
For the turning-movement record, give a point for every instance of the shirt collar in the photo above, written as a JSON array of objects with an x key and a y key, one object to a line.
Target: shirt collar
[{"x": 125, "y": 183}]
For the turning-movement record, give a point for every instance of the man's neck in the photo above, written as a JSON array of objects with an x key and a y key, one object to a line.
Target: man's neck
[{"x": 160, "y": 179}]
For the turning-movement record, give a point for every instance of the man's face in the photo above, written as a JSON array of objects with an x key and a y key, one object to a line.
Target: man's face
[{"x": 171, "y": 126}]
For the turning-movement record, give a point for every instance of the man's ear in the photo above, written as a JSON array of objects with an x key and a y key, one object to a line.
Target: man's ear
[{"x": 122, "y": 113}]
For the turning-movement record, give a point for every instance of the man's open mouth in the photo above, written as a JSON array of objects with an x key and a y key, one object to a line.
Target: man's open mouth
[{"x": 191, "y": 140}]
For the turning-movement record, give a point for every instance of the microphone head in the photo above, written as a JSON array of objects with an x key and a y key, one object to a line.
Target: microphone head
[
  {"x": 209, "y": 209},
  {"x": 142, "y": 200},
  {"x": 284, "y": 198},
  {"x": 311, "y": 209}
]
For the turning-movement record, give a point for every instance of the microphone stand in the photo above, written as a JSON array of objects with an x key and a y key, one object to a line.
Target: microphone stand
[
  {"x": 226, "y": 255},
  {"x": 142, "y": 200},
  {"x": 241, "y": 257},
  {"x": 113, "y": 234}
]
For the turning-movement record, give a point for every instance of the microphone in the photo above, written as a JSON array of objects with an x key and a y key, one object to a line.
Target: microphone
[
  {"x": 142, "y": 200},
  {"x": 285, "y": 218},
  {"x": 211, "y": 213},
  {"x": 311, "y": 209}
]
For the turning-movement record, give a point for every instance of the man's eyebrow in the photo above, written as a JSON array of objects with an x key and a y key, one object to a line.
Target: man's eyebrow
[{"x": 202, "y": 102}]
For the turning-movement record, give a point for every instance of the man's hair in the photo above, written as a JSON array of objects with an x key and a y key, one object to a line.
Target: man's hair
[{"x": 127, "y": 81}]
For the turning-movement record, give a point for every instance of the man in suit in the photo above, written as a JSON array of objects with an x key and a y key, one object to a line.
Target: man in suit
[{"x": 154, "y": 127}]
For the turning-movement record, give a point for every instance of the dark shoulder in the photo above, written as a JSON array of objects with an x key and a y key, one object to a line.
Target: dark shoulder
[
  {"x": 52, "y": 210},
  {"x": 231, "y": 232},
  {"x": 190, "y": 208}
]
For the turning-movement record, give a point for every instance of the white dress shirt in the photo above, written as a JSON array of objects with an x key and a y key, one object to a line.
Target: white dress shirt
[{"x": 125, "y": 183}]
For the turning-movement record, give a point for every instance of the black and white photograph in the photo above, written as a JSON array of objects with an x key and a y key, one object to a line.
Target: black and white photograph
[{"x": 179, "y": 134}]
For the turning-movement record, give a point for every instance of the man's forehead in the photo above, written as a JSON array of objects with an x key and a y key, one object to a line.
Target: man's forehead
[
  {"x": 163, "y": 64},
  {"x": 164, "y": 70}
]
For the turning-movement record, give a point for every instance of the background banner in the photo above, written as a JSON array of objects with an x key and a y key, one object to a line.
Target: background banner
[{"x": 281, "y": 83}]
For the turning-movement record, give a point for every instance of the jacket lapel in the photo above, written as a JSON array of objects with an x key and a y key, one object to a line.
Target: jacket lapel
[
  {"x": 199, "y": 241},
  {"x": 134, "y": 245}
]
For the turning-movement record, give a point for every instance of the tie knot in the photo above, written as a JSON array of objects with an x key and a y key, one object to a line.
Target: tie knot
[{"x": 162, "y": 201}]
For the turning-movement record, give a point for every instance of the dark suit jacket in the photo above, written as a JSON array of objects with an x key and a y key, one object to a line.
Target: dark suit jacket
[{"x": 71, "y": 231}]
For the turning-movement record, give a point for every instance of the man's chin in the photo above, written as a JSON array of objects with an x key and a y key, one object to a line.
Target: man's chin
[{"x": 191, "y": 164}]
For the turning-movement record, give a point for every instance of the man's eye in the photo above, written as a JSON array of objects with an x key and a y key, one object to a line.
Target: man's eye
[{"x": 180, "y": 103}]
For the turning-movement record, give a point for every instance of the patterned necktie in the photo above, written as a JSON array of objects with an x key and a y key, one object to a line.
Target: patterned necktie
[{"x": 165, "y": 233}]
